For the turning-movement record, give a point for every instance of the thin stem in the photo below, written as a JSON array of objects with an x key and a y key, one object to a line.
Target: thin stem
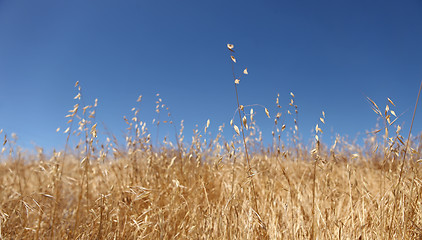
[
  {"x": 402, "y": 164},
  {"x": 314, "y": 190},
  {"x": 243, "y": 132}
]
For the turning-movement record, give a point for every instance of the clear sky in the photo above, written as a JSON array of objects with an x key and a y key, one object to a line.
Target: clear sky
[{"x": 330, "y": 54}]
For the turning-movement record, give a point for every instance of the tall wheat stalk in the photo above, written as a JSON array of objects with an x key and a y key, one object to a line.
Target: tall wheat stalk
[
  {"x": 242, "y": 122},
  {"x": 397, "y": 187}
]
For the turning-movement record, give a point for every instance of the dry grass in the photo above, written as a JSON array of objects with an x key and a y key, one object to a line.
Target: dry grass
[
  {"x": 140, "y": 196},
  {"x": 213, "y": 188}
]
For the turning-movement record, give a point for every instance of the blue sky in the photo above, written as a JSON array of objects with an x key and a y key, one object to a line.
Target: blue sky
[{"x": 330, "y": 54}]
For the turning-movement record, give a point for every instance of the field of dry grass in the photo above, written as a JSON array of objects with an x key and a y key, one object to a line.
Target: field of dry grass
[
  {"x": 214, "y": 188},
  {"x": 151, "y": 195}
]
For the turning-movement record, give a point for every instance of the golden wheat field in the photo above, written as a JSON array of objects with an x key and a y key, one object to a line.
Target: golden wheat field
[{"x": 214, "y": 188}]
